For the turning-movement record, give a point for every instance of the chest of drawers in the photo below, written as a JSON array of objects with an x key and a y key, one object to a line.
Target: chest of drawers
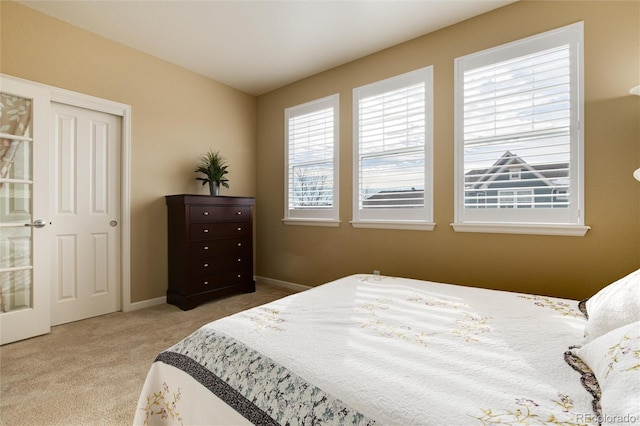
[{"x": 210, "y": 246}]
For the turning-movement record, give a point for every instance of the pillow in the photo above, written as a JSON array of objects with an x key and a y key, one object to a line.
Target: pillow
[
  {"x": 615, "y": 305},
  {"x": 582, "y": 306},
  {"x": 614, "y": 360}
]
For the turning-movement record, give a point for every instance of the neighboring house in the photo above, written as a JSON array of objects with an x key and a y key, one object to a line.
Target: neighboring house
[
  {"x": 509, "y": 183},
  {"x": 513, "y": 183},
  {"x": 398, "y": 198}
]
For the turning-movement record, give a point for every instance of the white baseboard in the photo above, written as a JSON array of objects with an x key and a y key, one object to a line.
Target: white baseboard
[
  {"x": 259, "y": 280},
  {"x": 145, "y": 304},
  {"x": 279, "y": 283}
]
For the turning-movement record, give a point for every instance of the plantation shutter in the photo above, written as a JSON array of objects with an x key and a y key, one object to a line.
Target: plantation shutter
[
  {"x": 518, "y": 136},
  {"x": 311, "y": 140},
  {"x": 391, "y": 133},
  {"x": 517, "y": 114}
]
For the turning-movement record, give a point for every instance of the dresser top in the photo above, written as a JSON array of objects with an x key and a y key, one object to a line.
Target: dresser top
[{"x": 220, "y": 200}]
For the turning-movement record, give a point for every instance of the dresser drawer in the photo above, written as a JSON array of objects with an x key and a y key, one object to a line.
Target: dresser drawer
[
  {"x": 212, "y": 282},
  {"x": 206, "y": 231},
  {"x": 213, "y": 265},
  {"x": 219, "y": 213},
  {"x": 206, "y": 248}
]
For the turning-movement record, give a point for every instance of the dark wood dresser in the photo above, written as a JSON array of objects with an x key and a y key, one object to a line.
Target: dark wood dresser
[{"x": 210, "y": 248}]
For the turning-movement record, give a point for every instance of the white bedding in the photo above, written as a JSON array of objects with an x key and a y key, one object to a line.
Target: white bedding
[{"x": 397, "y": 351}]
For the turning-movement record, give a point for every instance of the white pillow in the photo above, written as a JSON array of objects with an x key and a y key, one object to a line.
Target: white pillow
[
  {"x": 614, "y": 306},
  {"x": 615, "y": 361}
]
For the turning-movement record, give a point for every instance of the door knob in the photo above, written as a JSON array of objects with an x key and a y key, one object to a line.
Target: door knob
[{"x": 39, "y": 223}]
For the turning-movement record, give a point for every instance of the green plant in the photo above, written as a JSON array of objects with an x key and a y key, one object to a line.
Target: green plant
[{"x": 214, "y": 167}]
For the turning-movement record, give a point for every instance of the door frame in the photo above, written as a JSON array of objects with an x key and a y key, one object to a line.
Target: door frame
[{"x": 123, "y": 111}]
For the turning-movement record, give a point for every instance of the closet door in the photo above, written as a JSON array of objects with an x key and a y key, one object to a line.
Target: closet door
[{"x": 85, "y": 211}]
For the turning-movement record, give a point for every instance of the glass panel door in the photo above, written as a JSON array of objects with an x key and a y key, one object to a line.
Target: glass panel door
[
  {"x": 25, "y": 305},
  {"x": 16, "y": 181}
]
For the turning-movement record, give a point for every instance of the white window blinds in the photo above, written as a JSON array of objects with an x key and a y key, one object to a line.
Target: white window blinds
[
  {"x": 518, "y": 135},
  {"x": 392, "y": 149},
  {"x": 311, "y": 173}
]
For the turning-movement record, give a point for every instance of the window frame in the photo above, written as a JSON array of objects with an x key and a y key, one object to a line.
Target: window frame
[
  {"x": 309, "y": 216},
  {"x": 413, "y": 219},
  {"x": 568, "y": 221}
]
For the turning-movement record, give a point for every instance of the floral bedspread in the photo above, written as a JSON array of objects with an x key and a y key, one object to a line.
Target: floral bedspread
[{"x": 367, "y": 349}]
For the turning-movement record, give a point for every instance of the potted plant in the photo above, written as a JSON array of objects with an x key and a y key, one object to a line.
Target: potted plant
[{"x": 214, "y": 167}]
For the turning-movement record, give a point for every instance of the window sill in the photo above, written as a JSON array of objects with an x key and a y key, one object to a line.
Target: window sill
[
  {"x": 403, "y": 225},
  {"x": 523, "y": 228},
  {"x": 312, "y": 222}
]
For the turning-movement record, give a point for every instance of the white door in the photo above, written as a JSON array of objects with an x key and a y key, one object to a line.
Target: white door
[
  {"x": 25, "y": 303},
  {"x": 85, "y": 198}
]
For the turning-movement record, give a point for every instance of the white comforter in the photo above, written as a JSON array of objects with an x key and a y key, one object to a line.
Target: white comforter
[{"x": 402, "y": 352}]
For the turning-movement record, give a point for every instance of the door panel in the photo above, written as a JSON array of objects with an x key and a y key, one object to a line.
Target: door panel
[
  {"x": 86, "y": 213},
  {"x": 66, "y": 254},
  {"x": 24, "y": 248}
]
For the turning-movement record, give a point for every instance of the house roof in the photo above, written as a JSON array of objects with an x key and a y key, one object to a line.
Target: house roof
[
  {"x": 549, "y": 174},
  {"x": 402, "y": 197}
]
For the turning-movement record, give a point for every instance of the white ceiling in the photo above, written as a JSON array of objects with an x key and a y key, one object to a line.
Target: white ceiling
[{"x": 258, "y": 46}]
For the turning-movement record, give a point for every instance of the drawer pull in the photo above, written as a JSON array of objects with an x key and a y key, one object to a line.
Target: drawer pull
[
  {"x": 239, "y": 244},
  {"x": 205, "y": 213},
  {"x": 239, "y": 276},
  {"x": 206, "y": 283},
  {"x": 238, "y": 228},
  {"x": 206, "y": 231},
  {"x": 239, "y": 260},
  {"x": 206, "y": 265},
  {"x": 206, "y": 248},
  {"x": 238, "y": 213}
]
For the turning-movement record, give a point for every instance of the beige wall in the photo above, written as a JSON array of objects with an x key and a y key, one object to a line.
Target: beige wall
[
  {"x": 572, "y": 267},
  {"x": 176, "y": 116}
]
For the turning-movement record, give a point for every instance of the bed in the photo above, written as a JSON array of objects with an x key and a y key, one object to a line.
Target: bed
[{"x": 368, "y": 349}]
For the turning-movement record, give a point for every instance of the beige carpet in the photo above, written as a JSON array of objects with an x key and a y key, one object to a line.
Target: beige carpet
[{"x": 91, "y": 372}]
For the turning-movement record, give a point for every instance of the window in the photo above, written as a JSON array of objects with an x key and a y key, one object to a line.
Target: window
[
  {"x": 510, "y": 199},
  {"x": 561, "y": 196},
  {"x": 519, "y": 136},
  {"x": 393, "y": 152},
  {"x": 311, "y": 158}
]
